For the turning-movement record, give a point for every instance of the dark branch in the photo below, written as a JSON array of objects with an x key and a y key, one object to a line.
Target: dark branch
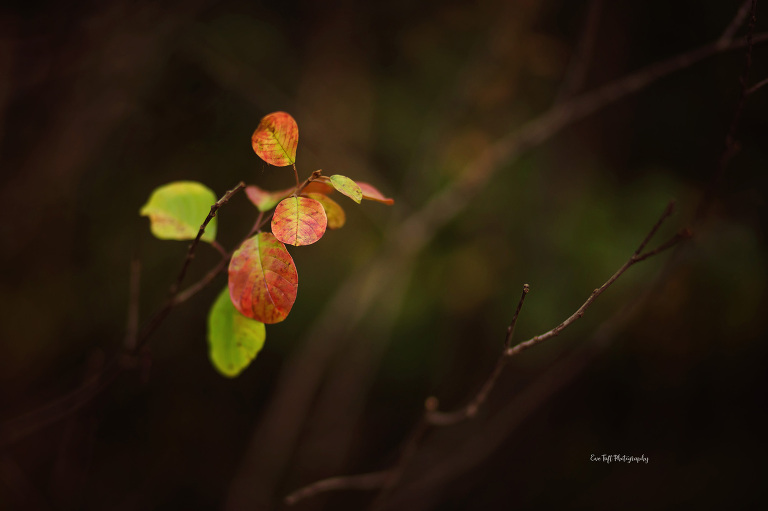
[
  {"x": 371, "y": 481},
  {"x": 432, "y": 417},
  {"x": 757, "y": 86}
]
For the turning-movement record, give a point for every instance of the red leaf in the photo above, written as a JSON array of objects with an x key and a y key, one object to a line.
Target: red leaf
[
  {"x": 276, "y": 138},
  {"x": 265, "y": 199},
  {"x": 299, "y": 221},
  {"x": 263, "y": 279},
  {"x": 371, "y": 193}
]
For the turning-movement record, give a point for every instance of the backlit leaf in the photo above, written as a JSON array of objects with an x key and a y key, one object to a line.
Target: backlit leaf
[
  {"x": 177, "y": 210},
  {"x": 318, "y": 187},
  {"x": 265, "y": 199},
  {"x": 263, "y": 279},
  {"x": 371, "y": 193},
  {"x": 276, "y": 138},
  {"x": 347, "y": 187},
  {"x": 233, "y": 339},
  {"x": 333, "y": 211},
  {"x": 299, "y": 221}
]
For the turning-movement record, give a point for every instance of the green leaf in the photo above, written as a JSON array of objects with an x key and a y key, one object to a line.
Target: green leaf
[
  {"x": 299, "y": 221},
  {"x": 276, "y": 138},
  {"x": 265, "y": 200},
  {"x": 334, "y": 212},
  {"x": 262, "y": 279},
  {"x": 233, "y": 339},
  {"x": 347, "y": 187},
  {"x": 177, "y": 210}
]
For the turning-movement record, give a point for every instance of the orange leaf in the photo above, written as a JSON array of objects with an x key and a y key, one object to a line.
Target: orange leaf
[
  {"x": 371, "y": 193},
  {"x": 319, "y": 187},
  {"x": 276, "y": 138},
  {"x": 299, "y": 221},
  {"x": 263, "y": 279}
]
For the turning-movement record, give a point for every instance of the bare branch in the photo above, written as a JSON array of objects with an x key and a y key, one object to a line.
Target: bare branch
[
  {"x": 757, "y": 86},
  {"x": 511, "y": 327},
  {"x": 731, "y": 145},
  {"x": 371, "y": 481},
  {"x": 735, "y": 24},
  {"x": 132, "y": 318},
  {"x": 432, "y": 417},
  {"x": 576, "y": 73}
]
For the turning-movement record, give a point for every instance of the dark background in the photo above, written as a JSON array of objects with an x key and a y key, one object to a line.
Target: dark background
[{"x": 101, "y": 102}]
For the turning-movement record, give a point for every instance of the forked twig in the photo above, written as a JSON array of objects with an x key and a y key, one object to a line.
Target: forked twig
[{"x": 385, "y": 480}]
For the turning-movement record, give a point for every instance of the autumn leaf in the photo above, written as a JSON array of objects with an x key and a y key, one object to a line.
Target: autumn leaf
[
  {"x": 299, "y": 221},
  {"x": 233, "y": 339},
  {"x": 177, "y": 210},
  {"x": 346, "y": 186},
  {"x": 262, "y": 279},
  {"x": 371, "y": 193},
  {"x": 265, "y": 200},
  {"x": 276, "y": 138},
  {"x": 318, "y": 187},
  {"x": 334, "y": 212}
]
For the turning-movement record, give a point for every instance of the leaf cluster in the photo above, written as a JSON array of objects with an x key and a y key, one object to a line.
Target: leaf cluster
[{"x": 263, "y": 280}]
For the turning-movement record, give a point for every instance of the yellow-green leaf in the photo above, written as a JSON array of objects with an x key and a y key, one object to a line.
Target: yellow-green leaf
[
  {"x": 348, "y": 187},
  {"x": 233, "y": 340},
  {"x": 177, "y": 210}
]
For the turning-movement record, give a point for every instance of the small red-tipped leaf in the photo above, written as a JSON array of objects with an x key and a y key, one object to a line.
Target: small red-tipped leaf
[
  {"x": 265, "y": 199},
  {"x": 334, "y": 212},
  {"x": 371, "y": 193},
  {"x": 347, "y": 187},
  {"x": 263, "y": 279},
  {"x": 299, "y": 221},
  {"x": 276, "y": 138}
]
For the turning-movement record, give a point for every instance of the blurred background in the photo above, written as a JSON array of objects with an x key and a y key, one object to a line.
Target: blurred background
[{"x": 101, "y": 102}]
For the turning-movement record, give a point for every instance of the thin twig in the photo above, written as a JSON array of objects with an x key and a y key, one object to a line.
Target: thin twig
[
  {"x": 198, "y": 286},
  {"x": 157, "y": 319},
  {"x": 731, "y": 144},
  {"x": 576, "y": 73},
  {"x": 735, "y": 24},
  {"x": 191, "y": 251},
  {"x": 470, "y": 410},
  {"x": 369, "y": 481},
  {"x": 758, "y": 85},
  {"x": 434, "y": 418},
  {"x": 511, "y": 327},
  {"x": 215, "y": 244},
  {"x": 132, "y": 318}
]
